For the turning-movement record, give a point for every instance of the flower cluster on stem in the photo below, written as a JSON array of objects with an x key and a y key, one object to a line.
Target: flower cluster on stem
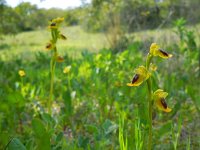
[
  {"x": 142, "y": 74},
  {"x": 55, "y": 57}
]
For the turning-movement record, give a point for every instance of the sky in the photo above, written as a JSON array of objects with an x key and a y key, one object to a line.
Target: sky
[{"x": 49, "y": 3}]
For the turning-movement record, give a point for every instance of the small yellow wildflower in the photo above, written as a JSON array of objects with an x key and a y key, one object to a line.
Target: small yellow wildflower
[
  {"x": 141, "y": 74},
  {"x": 155, "y": 50},
  {"x": 159, "y": 97},
  {"x": 67, "y": 69},
  {"x": 21, "y": 73}
]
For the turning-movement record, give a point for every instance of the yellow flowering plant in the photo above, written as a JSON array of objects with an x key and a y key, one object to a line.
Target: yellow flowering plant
[
  {"x": 142, "y": 74},
  {"x": 21, "y": 73},
  {"x": 56, "y": 34}
]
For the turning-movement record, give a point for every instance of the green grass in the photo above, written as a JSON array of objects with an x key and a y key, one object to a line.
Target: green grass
[{"x": 26, "y": 44}]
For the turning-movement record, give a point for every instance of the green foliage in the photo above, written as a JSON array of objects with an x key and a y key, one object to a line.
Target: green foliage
[
  {"x": 41, "y": 135},
  {"x": 15, "y": 144},
  {"x": 122, "y": 141},
  {"x": 133, "y": 15},
  {"x": 176, "y": 134},
  {"x": 187, "y": 37}
]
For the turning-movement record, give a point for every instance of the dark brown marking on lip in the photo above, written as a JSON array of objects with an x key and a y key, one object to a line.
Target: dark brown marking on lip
[
  {"x": 48, "y": 46},
  {"x": 53, "y": 24},
  {"x": 63, "y": 37},
  {"x": 163, "y": 52},
  {"x": 135, "y": 78},
  {"x": 164, "y": 104}
]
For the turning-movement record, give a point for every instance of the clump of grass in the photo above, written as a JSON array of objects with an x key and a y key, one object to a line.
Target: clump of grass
[
  {"x": 176, "y": 134},
  {"x": 123, "y": 142}
]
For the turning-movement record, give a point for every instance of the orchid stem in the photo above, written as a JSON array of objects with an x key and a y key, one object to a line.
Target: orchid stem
[
  {"x": 52, "y": 72},
  {"x": 149, "y": 86}
]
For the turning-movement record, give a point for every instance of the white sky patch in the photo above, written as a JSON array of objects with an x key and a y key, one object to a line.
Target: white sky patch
[{"x": 63, "y": 4}]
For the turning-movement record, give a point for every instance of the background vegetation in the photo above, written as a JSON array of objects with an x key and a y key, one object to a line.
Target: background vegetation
[{"x": 93, "y": 107}]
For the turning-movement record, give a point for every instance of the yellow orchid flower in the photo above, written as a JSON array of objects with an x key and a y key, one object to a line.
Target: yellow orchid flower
[
  {"x": 141, "y": 74},
  {"x": 159, "y": 97},
  {"x": 155, "y": 50}
]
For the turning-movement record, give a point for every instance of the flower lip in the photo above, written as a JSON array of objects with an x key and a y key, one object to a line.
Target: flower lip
[
  {"x": 141, "y": 74},
  {"x": 53, "y": 24},
  {"x": 135, "y": 78},
  {"x": 164, "y": 53},
  {"x": 49, "y": 46},
  {"x": 63, "y": 37},
  {"x": 159, "y": 96}
]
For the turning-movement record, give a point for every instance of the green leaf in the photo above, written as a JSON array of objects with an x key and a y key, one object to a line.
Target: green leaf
[
  {"x": 67, "y": 102},
  {"x": 59, "y": 137},
  {"x": 43, "y": 143},
  {"x": 15, "y": 144},
  {"x": 42, "y": 136},
  {"x": 109, "y": 127},
  {"x": 92, "y": 129},
  {"x": 38, "y": 128},
  {"x": 16, "y": 97},
  {"x": 48, "y": 119},
  {"x": 165, "y": 128}
]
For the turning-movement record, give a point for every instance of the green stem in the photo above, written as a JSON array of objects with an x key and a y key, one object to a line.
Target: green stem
[
  {"x": 150, "y": 113},
  {"x": 52, "y": 70},
  {"x": 149, "y": 86},
  {"x": 22, "y": 85},
  {"x": 69, "y": 84}
]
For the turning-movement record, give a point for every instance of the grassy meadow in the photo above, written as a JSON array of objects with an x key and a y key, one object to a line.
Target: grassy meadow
[
  {"x": 93, "y": 108},
  {"x": 29, "y": 43}
]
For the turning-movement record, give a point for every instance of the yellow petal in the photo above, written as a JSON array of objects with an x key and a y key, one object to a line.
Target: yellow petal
[
  {"x": 141, "y": 70},
  {"x": 160, "y": 94},
  {"x": 21, "y": 73},
  {"x": 153, "y": 48},
  {"x": 58, "y": 20},
  {"x": 167, "y": 110}
]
